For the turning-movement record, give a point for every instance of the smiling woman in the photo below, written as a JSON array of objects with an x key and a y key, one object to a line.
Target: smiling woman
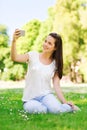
[{"x": 44, "y": 67}]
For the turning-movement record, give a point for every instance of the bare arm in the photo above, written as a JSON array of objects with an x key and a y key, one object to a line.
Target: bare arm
[
  {"x": 56, "y": 84},
  {"x": 14, "y": 55}
]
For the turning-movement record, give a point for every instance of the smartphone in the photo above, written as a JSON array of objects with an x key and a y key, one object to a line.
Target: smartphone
[{"x": 22, "y": 32}]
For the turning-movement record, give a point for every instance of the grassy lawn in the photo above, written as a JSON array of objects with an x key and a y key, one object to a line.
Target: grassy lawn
[{"x": 13, "y": 117}]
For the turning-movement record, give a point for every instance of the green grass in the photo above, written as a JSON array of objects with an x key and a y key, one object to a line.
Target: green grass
[{"x": 13, "y": 117}]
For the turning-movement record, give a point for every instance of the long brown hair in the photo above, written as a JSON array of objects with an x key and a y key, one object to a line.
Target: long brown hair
[{"x": 58, "y": 54}]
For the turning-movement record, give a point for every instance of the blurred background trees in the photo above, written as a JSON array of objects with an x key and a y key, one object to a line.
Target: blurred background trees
[
  {"x": 70, "y": 22},
  {"x": 66, "y": 17}
]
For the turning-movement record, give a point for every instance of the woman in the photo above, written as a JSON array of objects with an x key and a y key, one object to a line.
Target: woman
[{"x": 43, "y": 68}]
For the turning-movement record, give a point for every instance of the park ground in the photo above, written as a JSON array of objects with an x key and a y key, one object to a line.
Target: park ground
[
  {"x": 65, "y": 83},
  {"x": 13, "y": 117}
]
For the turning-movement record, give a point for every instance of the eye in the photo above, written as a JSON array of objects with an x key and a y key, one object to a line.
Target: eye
[
  {"x": 45, "y": 40},
  {"x": 50, "y": 43}
]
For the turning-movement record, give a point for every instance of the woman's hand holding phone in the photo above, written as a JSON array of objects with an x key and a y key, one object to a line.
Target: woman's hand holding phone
[{"x": 18, "y": 33}]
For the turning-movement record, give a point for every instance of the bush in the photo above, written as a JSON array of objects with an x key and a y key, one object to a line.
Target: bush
[{"x": 17, "y": 72}]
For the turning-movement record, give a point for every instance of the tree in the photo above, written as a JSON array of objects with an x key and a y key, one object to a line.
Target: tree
[
  {"x": 4, "y": 49},
  {"x": 45, "y": 28},
  {"x": 69, "y": 23},
  {"x": 24, "y": 44},
  {"x": 3, "y": 36}
]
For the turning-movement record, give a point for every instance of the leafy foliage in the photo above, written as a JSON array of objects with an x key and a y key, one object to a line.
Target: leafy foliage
[
  {"x": 71, "y": 23},
  {"x": 31, "y": 28},
  {"x": 3, "y": 36},
  {"x": 68, "y": 18}
]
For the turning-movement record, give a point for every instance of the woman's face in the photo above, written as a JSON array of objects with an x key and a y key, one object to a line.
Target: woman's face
[{"x": 49, "y": 44}]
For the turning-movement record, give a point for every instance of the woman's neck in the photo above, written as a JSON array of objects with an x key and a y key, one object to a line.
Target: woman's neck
[
  {"x": 46, "y": 55},
  {"x": 45, "y": 58}
]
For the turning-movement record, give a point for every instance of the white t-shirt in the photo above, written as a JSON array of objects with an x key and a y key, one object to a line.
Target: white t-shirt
[{"x": 38, "y": 78}]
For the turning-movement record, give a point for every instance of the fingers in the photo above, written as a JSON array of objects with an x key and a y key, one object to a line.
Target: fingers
[
  {"x": 74, "y": 107},
  {"x": 16, "y": 34},
  {"x": 71, "y": 104}
]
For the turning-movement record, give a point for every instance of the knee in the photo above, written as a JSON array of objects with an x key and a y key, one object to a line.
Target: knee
[
  {"x": 42, "y": 109},
  {"x": 54, "y": 110},
  {"x": 34, "y": 109}
]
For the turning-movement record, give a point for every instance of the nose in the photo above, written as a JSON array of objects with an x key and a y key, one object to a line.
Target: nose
[{"x": 45, "y": 43}]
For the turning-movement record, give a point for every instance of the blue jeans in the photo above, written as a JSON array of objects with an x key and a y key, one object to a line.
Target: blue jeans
[{"x": 43, "y": 104}]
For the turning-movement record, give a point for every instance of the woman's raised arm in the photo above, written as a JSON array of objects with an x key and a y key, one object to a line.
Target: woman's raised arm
[{"x": 14, "y": 56}]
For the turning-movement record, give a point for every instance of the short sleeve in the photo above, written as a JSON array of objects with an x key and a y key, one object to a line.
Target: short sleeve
[{"x": 32, "y": 56}]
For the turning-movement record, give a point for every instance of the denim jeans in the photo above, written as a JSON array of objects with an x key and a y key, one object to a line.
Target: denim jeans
[{"x": 47, "y": 103}]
